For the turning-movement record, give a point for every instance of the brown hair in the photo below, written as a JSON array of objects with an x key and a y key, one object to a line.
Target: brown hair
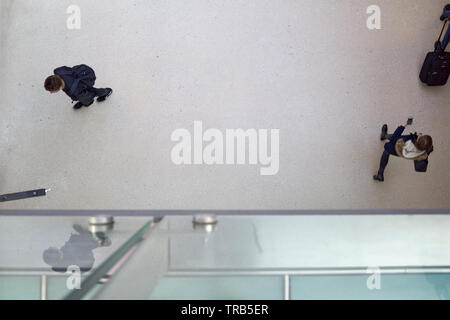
[
  {"x": 424, "y": 143},
  {"x": 53, "y": 83}
]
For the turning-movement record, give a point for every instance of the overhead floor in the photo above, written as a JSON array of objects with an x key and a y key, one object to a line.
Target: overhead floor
[{"x": 310, "y": 68}]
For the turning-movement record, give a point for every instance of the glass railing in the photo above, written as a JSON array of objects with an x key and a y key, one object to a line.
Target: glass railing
[
  {"x": 290, "y": 257},
  {"x": 309, "y": 256},
  {"x": 41, "y": 257}
]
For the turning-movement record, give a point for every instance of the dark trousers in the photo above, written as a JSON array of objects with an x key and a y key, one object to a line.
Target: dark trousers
[
  {"x": 94, "y": 92},
  {"x": 383, "y": 163},
  {"x": 100, "y": 92},
  {"x": 384, "y": 158}
]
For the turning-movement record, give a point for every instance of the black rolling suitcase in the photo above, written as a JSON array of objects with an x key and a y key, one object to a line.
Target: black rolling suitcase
[{"x": 436, "y": 68}]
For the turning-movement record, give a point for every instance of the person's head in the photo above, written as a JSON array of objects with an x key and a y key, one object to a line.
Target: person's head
[
  {"x": 424, "y": 142},
  {"x": 54, "y": 83}
]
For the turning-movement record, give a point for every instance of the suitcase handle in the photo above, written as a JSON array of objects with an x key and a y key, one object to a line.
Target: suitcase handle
[{"x": 438, "y": 44}]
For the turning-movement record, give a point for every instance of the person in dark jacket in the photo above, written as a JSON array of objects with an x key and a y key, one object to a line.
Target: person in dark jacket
[
  {"x": 78, "y": 83},
  {"x": 412, "y": 147}
]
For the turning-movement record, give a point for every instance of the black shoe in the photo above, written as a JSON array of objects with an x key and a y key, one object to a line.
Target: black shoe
[
  {"x": 103, "y": 98},
  {"x": 384, "y": 131},
  {"x": 378, "y": 177},
  {"x": 78, "y": 105}
]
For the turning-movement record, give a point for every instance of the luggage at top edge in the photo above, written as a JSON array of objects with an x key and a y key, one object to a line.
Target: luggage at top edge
[{"x": 436, "y": 68}]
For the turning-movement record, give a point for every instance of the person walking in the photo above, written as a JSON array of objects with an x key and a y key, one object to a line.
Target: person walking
[
  {"x": 78, "y": 83},
  {"x": 411, "y": 147}
]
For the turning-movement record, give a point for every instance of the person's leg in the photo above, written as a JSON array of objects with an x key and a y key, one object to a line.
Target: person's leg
[
  {"x": 87, "y": 97},
  {"x": 384, "y": 130},
  {"x": 99, "y": 91},
  {"x": 102, "y": 93},
  {"x": 383, "y": 163},
  {"x": 79, "y": 105},
  {"x": 384, "y": 135}
]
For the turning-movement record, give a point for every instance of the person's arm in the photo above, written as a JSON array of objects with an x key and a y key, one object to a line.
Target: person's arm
[
  {"x": 411, "y": 136},
  {"x": 398, "y": 133},
  {"x": 62, "y": 70}
]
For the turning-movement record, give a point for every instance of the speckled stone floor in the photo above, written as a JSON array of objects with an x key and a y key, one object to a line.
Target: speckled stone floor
[{"x": 309, "y": 68}]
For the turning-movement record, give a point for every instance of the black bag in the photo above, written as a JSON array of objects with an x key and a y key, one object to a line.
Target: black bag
[
  {"x": 421, "y": 165},
  {"x": 436, "y": 68}
]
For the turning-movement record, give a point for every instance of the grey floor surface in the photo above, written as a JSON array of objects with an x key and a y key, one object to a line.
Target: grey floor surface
[{"x": 310, "y": 68}]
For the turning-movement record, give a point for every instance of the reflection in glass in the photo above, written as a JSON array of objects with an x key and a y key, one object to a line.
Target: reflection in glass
[{"x": 77, "y": 251}]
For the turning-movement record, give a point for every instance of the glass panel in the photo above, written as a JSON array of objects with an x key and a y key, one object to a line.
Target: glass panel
[
  {"x": 323, "y": 256},
  {"x": 242, "y": 257},
  {"x": 91, "y": 285},
  {"x": 219, "y": 288},
  {"x": 20, "y": 288},
  {"x": 315, "y": 241},
  {"x": 391, "y": 286},
  {"x": 35, "y": 252}
]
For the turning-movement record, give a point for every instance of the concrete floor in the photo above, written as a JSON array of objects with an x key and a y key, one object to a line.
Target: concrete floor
[{"x": 310, "y": 68}]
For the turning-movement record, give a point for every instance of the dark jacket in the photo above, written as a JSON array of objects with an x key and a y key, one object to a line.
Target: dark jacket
[{"x": 79, "y": 83}]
